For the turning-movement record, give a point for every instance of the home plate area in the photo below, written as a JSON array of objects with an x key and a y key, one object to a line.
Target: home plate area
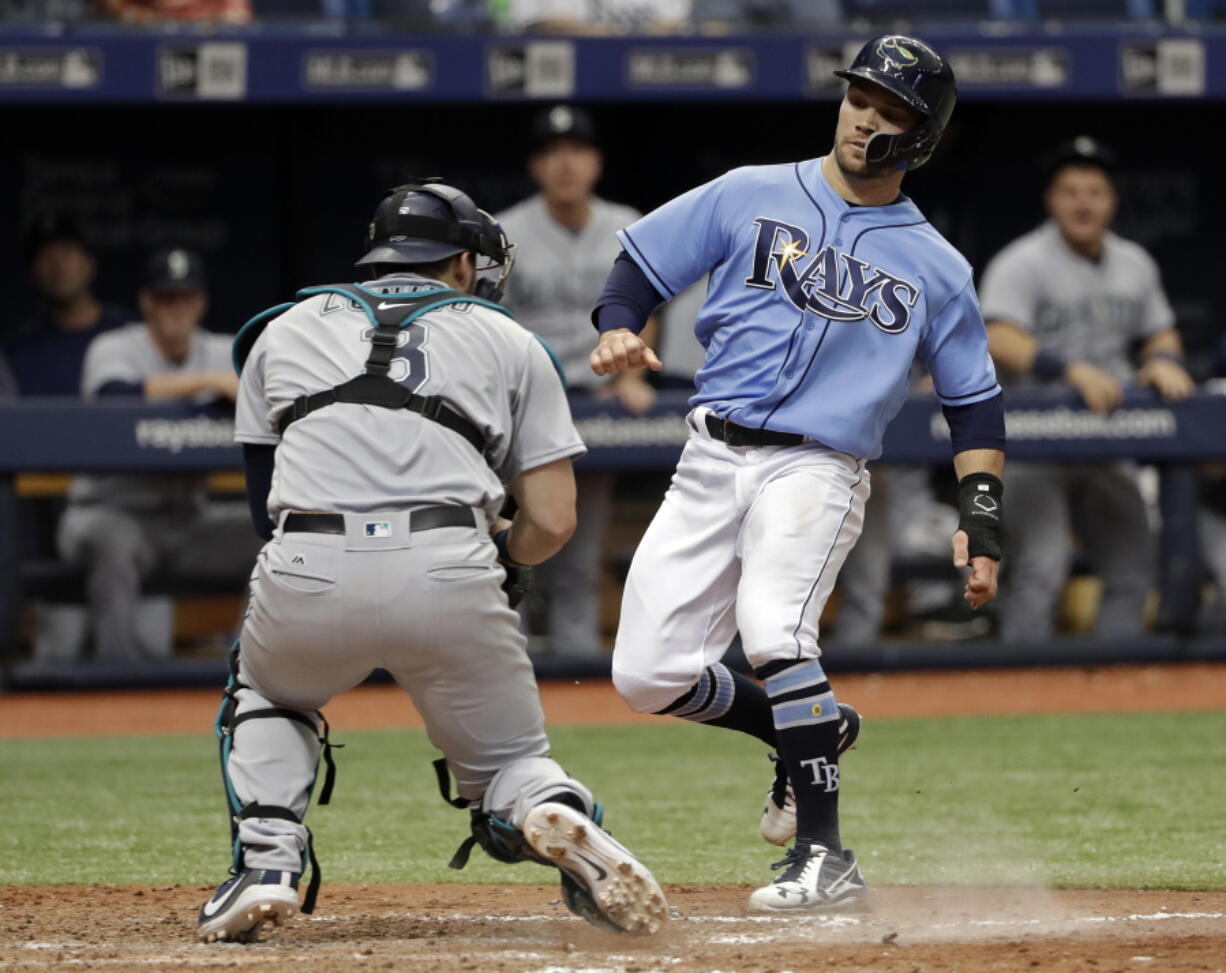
[{"x": 526, "y": 928}]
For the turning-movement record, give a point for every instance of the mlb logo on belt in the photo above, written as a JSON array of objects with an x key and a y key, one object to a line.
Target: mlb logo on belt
[{"x": 377, "y": 528}]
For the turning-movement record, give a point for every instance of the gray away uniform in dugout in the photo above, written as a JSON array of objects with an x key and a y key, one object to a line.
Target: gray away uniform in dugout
[
  {"x": 1093, "y": 312},
  {"x": 425, "y": 605},
  {"x": 559, "y": 274},
  {"x": 123, "y": 528}
]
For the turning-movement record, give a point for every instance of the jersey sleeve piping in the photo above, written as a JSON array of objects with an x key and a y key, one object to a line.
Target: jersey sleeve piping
[
  {"x": 257, "y": 438},
  {"x": 633, "y": 249},
  {"x": 970, "y": 398}
]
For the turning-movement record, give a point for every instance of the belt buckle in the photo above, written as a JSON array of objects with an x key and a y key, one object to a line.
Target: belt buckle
[{"x": 734, "y": 435}]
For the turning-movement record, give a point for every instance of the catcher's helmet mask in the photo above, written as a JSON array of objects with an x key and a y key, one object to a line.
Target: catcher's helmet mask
[
  {"x": 425, "y": 220},
  {"x": 912, "y": 71}
]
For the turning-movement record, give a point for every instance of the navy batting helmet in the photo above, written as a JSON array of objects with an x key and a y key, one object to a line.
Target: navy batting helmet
[
  {"x": 917, "y": 74},
  {"x": 425, "y": 221}
]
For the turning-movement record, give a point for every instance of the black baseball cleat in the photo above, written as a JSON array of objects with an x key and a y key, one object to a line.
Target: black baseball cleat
[
  {"x": 816, "y": 879},
  {"x": 778, "y": 822},
  {"x": 243, "y": 907},
  {"x": 602, "y": 882}
]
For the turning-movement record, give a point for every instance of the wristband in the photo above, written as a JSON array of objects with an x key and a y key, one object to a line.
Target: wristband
[
  {"x": 1049, "y": 364},
  {"x": 504, "y": 553},
  {"x": 979, "y": 509}
]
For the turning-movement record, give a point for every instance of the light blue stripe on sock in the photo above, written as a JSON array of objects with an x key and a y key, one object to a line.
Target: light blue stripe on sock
[
  {"x": 721, "y": 702},
  {"x": 806, "y": 712},
  {"x": 701, "y": 688},
  {"x": 799, "y": 676}
]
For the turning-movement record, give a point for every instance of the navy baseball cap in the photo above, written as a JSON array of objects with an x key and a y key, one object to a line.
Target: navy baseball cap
[
  {"x": 175, "y": 269},
  {"x": 49, "y": 228},
  {"x": 562, "y": 122},
  {"x": 1084, "y": 150}
]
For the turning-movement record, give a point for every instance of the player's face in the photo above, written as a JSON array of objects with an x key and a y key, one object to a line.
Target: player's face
[
  {"x": 173, "y": 316},
  {"x": 866, "y": 110},
  {"x": 1082, "y": 201},
  {"x": 566, "y": 170},
  {"x": 62, "y": 271}
]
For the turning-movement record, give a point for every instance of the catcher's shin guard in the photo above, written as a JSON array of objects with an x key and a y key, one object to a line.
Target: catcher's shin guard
[{"x": 227, "y": 722}]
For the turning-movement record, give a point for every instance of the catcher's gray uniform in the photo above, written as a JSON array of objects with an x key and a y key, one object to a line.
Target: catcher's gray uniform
[
  {"x": 424, "y": 604},
  {"x": 1094, "y": 312},
  {"x": 558, "y": 278}
]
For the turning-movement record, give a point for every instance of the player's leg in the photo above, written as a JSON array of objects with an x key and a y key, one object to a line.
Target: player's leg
[
  {"x": 1037, "y": 538},
  {"x": 677, "y": 617},
  {"x": 289, "y": 662},
  {"x": 110, "y": 544},
  {"x": 570, "y": 580},
  {"x": 806, "y": 516},
  {"x": 218, "y": 545},
  {"x": 464, "y": 662},
  {"x": 1110, "y": 517}
]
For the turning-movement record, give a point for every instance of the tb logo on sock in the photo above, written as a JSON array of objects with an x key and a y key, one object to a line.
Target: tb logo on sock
[{"x": 824, "y": 773}]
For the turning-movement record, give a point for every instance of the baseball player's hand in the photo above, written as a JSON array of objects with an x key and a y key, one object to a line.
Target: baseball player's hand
[
  {"x": 632, "y": 391},
  {"x": 1101, "y": 392},
  {"x": 1168, "y": 377},
  {"x": 980, "y": 572},
  {"x": 620, "y": 350}
]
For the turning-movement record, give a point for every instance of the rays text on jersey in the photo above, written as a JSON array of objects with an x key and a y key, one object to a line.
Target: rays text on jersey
[{"x": 833, "y": 284}]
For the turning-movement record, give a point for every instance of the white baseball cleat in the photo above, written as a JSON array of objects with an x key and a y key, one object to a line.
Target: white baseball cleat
[
  {"x": 778, "y": 822},
  {"x": 602, "y": 881},
  {"x": 254, "y": 901},
  {"x": 816, "y": 880}
]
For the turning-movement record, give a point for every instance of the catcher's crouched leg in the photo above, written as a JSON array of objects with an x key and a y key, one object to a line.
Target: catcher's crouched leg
[{"x": 534, "y": 811}]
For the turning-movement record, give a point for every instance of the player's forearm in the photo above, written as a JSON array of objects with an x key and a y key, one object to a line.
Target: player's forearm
[
  {"x": 545, "y": 518},
  {"x": 979, "y": 461},
  {"x": 1165, "y": 344},
  {"x": 1012, "y": 349},
  {"x": 171, "y": 387},
  {"x": 628, "y": 299}
]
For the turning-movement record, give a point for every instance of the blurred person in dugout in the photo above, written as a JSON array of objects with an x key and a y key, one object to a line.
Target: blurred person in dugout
[
  {"x": 565, "y": 243},
  {"x": 1071, "y": 303},
  {"x": 124, "y": 529},
  {"x": 46, "y": 352}
]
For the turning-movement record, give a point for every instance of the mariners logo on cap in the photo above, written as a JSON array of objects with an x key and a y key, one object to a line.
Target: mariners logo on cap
[
  {"x": 895, "y": 53},
  {"x": 561, "y": 119},
  {"x": 177, "y": 264}
]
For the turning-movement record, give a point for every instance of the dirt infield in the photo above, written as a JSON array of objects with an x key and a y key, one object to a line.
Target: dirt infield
[
  {"x": 1101, "y": 689},
  {"x": 525, "y": 928}
]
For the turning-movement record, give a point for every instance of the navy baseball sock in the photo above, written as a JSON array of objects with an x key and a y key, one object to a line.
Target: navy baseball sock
[
  {"x": 807, "y": 718},
  {"x": 725, "y": 698}
]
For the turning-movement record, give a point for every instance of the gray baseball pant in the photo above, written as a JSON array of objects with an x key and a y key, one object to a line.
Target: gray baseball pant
[
  {"x": 1045, "y": 505},
  {"x": 327, "y": 609}
]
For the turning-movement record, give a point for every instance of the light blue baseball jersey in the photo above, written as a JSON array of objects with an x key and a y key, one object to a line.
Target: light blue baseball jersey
[{"x": 817, "y": 308}]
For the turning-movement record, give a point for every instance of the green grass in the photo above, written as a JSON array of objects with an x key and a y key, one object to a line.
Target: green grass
[{"x": 1126, "y": 801}]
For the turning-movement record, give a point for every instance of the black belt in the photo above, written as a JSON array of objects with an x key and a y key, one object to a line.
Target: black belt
[
  {"x": 425, "y": 518},
  {"x": 729, "y": 432}
]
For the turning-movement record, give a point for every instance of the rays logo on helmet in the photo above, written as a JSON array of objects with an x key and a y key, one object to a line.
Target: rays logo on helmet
[{"x": 895, "y": 53}]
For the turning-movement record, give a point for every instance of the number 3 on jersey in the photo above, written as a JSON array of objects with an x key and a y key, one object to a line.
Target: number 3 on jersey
[{"x": 408, "y": 367}]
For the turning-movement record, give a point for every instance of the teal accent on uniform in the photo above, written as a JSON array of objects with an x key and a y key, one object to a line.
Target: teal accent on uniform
[
  {"x": 797, "y": 677},
  {"x": 557, "y": 364},
  {"x": 248, "y": 334},
  {"x": 805, "y": 712}
]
